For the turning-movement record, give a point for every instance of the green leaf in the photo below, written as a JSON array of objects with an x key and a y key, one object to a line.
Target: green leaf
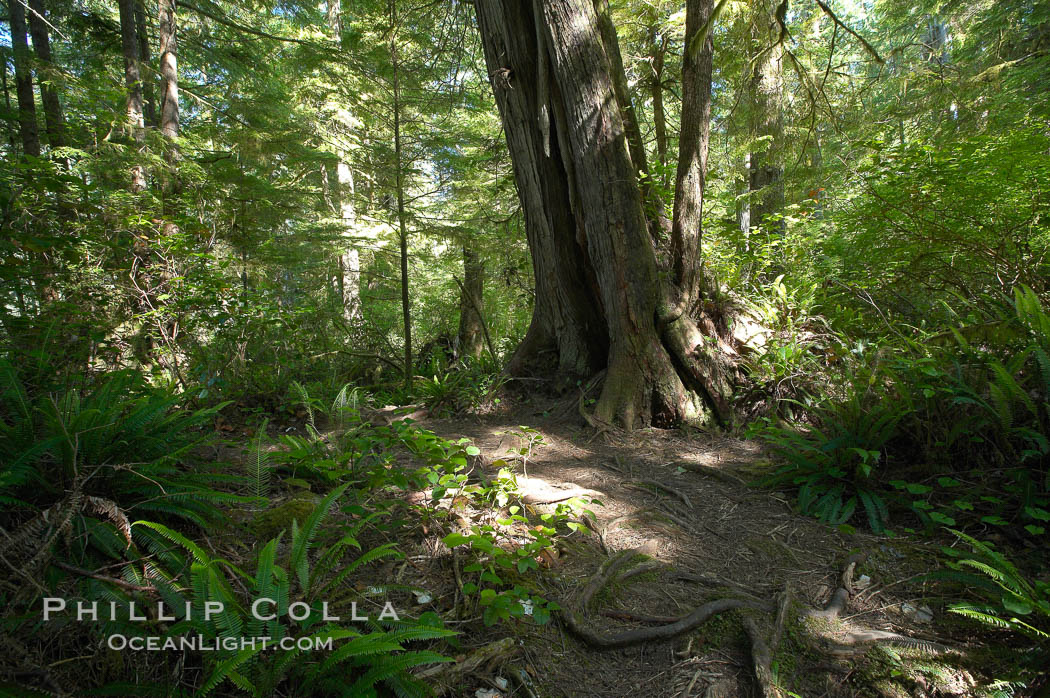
[{"x": 453, "y": 540}]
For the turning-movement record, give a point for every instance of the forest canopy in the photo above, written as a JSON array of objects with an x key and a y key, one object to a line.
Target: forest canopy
[{"x": 267, "y": 265}]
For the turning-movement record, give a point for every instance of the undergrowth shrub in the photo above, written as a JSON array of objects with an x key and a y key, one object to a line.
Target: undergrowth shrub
[
  {"x": 838, "y": 462},
  {"x": 1003, "y": 598},
  {"x": 951, "y": 427}
]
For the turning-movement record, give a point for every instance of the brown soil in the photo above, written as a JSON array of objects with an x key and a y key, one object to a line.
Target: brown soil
[{"x": 743, "y": 540}]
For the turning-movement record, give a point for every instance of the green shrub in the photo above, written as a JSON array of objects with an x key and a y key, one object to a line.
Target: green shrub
[{"x": 836, "y": 463}]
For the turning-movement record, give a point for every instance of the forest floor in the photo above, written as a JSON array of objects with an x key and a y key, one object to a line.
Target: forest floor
[
  {"x": 830, "y": 612},
  {"x": 681, "y": 499}
]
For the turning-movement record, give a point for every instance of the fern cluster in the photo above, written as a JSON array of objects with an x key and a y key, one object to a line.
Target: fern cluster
[{"x": 359, "y": 660}]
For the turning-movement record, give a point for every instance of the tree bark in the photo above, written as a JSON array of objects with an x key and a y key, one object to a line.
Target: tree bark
[
  {"x": 406, "y": 308},
  {"x": 657, "y": 55},
  {"x": 27, "y": 126},
  {"x": 38, "y": 29},
  {"x": 133, "y": 80},
  {"x": 651, "y": 358},
  {"x": 149, "y": 105},
  {"x": 169, "y": 98},
  {"x": 765, "y": 90},
  {"x": 692, "y": 156},
  {"x": 659, "y": 226},
  {"x": 350, "y": 258},
  {"x": 568, "y": 320},
  {"x": 471, "y": 303}
]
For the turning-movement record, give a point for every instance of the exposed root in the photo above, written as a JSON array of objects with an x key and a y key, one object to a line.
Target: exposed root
[
  {"x": 575, "y": 623},
  {"x": 573, "y": 619},
  {"x": 666, "y": 488},
  {"x": 448, "y": 677},
  {"x": 711, "y": 471},
  {"x": 849, "y": 642},
  {"x": 638, "y": 617},
  {"x": 762, "y": 658}
]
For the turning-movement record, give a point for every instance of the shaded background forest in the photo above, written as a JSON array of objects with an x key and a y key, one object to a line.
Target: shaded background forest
[{"x": 215, "y": 213}]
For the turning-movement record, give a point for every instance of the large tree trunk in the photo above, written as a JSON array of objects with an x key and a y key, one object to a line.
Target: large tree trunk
[
  {"x": 654, "y": 375},
  {"x": 133, "y": 79},
  {"x": 568, "y": 321},
  {"x": 471, "y": 336},
  {"x": 27, "y": 126},
  {"x": 765, "y": 89},
  {"x": 659, "y": 226},
  {"x": 48, "y": 95}
]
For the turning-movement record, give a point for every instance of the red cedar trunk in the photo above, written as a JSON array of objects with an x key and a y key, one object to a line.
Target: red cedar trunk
[
  {"x": 48, "y": 95},
  {"x": 27, "y": 126},
  {"x": 568, "y": 320},
  {"x": 653, "y": 352}
]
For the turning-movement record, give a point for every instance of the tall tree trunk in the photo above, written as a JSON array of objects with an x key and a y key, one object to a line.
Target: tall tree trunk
[
  {"x": 7, "y": 100},
  {"x": 765, "y": 90},
  {"x": 471, "y": 303},
  {"x": 692, "y": 155},
  {"x": 149, "y": 110},
  {"x": 653, "y": 370},
  {"x": 133, "y": 79},
  {"x": 334, "y": 17},
  {"x": 659, "y": 226},
  {"x": 169, "y": 105},
  {"x": 568, "y": 321},
  {"x": 48, "y": 95},
  {"x": 350, "y": 259},
  {"x": 27, "y": 126},
  {"x": 657, "y": 55},
  {"x": 406, "y": 308},
  {"x": 169, "y": 98}
]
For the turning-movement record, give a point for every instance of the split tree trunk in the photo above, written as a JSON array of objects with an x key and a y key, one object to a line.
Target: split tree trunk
[
  {"x": 600, "y": 301},
  {"x": 27, "y": 126}
]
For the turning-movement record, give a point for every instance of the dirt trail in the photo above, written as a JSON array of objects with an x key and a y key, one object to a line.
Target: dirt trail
[{"x": 682, "y": 500}]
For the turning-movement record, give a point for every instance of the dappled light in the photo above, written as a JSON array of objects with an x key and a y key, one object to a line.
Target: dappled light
[{"x": 525, "y": 348}]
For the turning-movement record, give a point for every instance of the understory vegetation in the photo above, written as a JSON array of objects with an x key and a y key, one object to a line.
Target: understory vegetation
[{"x": 236, "y": 286}]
